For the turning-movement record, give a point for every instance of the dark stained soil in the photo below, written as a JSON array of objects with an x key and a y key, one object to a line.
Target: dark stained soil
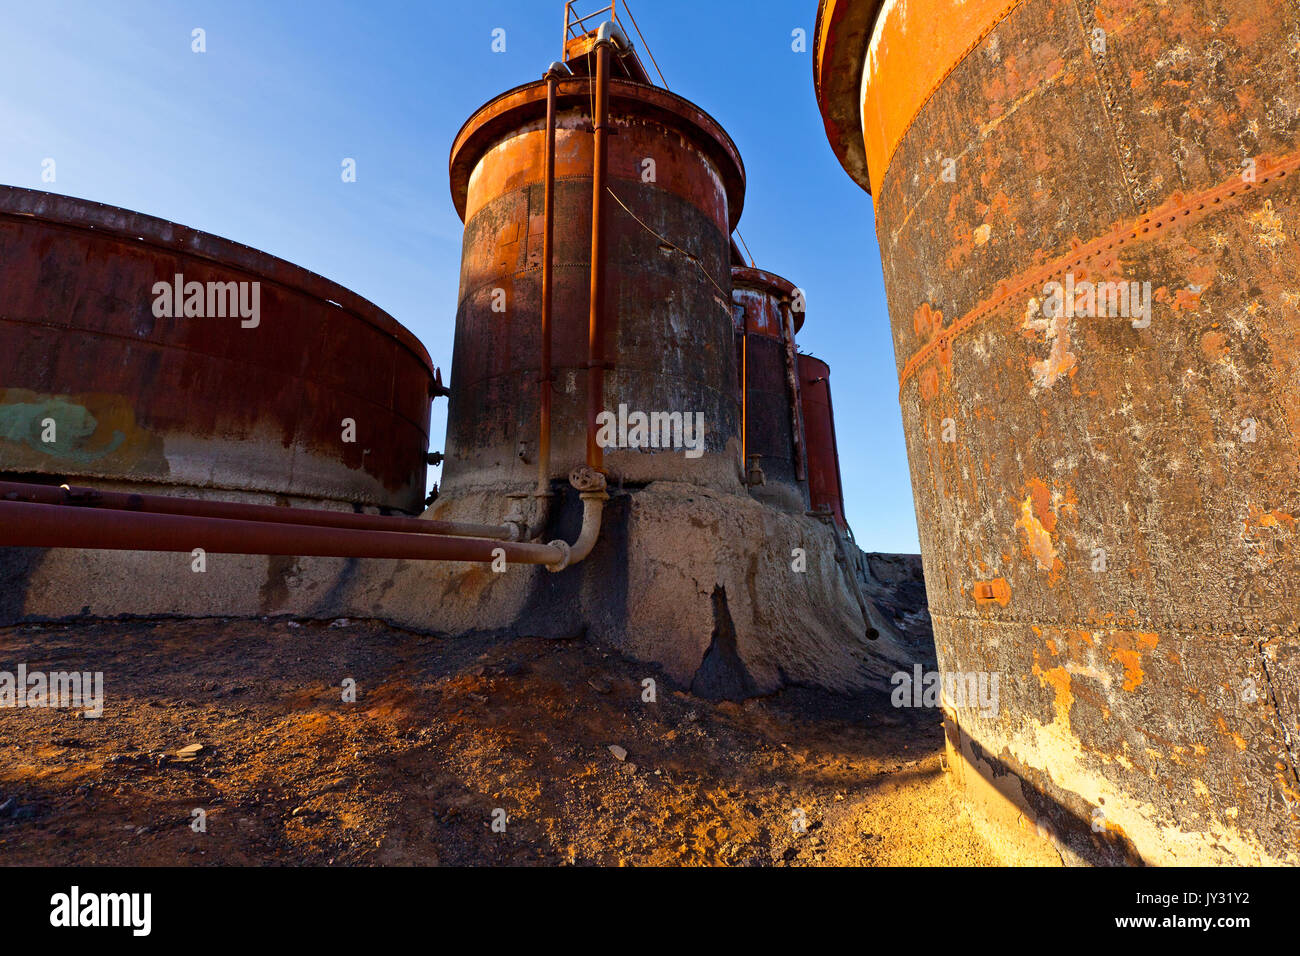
[{"x": 448, "y": 735}]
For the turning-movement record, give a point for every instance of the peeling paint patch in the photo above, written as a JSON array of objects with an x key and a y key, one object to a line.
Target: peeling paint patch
[
  {"x": 1060, "y": 361},
  {"x": 1038, "y": 521},
  {"x": 1270, "y": 234},
  {"x": 1058, "y": 678}
]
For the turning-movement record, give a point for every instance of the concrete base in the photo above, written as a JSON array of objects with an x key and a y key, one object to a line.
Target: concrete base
[{"x": 730, "y": 597}]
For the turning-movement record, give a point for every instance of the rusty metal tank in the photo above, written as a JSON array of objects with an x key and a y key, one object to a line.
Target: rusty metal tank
[
  {"x": 825, "y": 490},
  {"x": 103, "y": 377},
  {"x": 1088, "y": 218},
  {"x": 677, "y": 186},
  {"x": 767, "y": 316}
]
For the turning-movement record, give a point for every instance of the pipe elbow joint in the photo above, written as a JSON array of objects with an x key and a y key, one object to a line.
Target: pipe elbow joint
[
  {"x": 611, "y": 32},
  {"x": 590, "y": 485}
]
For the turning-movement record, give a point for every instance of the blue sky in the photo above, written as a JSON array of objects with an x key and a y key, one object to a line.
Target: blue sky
[{"x": 246, "y": 140}]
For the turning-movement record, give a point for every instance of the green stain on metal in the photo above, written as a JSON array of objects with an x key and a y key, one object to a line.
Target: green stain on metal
[{"x": 68, "y": 425}]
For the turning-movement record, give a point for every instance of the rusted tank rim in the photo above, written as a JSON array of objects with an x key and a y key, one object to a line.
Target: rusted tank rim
[
  {"x": 72, "y": 213},
  {"x": 761, "y": 280},
  {"x": 841, "y": 37},
  {"x": 527, "y": 104}
]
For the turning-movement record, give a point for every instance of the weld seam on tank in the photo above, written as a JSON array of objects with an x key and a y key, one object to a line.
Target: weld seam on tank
[{"x": 1216, "y": 199}]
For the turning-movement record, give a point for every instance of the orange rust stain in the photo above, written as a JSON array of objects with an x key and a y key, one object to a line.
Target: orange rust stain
[
  {"x": 944, "y": 354},
  {"x": 1128, "y": 652},
  {"x": 1245, "y": 30},
  {"x": 1188, "y": 299},
  {"x": 1042, "y": 499},
  {"x": 1214, "y": 345},
  {"x": 927, "y": 322},
  {"x": 1268, "y": 519},
  {"x": 1229, "y": 732},
  {"x": 929, "y": 383}
]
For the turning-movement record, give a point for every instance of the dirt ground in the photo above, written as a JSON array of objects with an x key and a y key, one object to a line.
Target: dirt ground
[{"x": 444, "y": 733}]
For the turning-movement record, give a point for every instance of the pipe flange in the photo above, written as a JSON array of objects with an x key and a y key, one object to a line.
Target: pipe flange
[
  {"x": 584, "y": 478},
  {"x": 565, "y": 551}
]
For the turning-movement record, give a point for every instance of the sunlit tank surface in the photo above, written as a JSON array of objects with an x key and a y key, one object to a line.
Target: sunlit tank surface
[
  {"x": 1105, "y": 475},
  {"x": 768, "y": 312},
  {"x": 824, "y": 489},
  {"x": 668, "y": 301},
  {"x": 95, "y": 383}
]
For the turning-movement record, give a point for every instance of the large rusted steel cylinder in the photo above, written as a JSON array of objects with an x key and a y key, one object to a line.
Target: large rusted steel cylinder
[
  {"x": 766, "y": 323},
  {"x": 1088, "y": 224},
  {"x": 675, "y": 188},
  {"x": 824, "y": 489},
  {"x": 271, "y": 381}
]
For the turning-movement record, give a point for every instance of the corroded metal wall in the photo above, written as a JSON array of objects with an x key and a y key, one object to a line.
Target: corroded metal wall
[
  {"x": 765, "y": 329},
  {"x": 1105, "y": 495},
  {"x": 824, "y": 488},
  {"x": 196, "y": 401},
  {"x": 669, "y": 325}
]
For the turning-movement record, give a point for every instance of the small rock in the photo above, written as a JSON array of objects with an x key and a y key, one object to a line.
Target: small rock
[
  {"x": 619, "y": 753},
  {"x": 340, "y": 622},
  {"x": 193, "y": 750}
]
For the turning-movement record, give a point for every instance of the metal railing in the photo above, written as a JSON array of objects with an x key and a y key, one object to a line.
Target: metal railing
[{"x": 576, "y": 27}]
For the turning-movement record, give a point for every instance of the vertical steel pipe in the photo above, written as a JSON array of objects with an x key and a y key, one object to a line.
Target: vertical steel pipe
[
  {"x": 792, "y": 383},
  {"x": 548, "y": 265},
  {"x": 744, "y": 392},
  {"x": 596, "y": 318}
]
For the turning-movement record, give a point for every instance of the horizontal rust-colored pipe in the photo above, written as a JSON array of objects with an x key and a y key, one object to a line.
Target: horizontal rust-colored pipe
[
  {"x": 238, "y": 511},
  {"x": 23, "y": 524}
]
